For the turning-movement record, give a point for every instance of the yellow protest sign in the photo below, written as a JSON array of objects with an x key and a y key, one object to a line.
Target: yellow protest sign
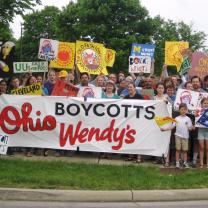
[
  {"x": 163, "y": 120},
  {"x": 173, "y": 52},
  {"x": 35, "y": 89},
  {"x": 65, "y": 57},
  {"x": 109, "y": 57},
  {"x": 90, "y": 57}
]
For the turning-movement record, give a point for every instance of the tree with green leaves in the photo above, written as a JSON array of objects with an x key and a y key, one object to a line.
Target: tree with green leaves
[
  {"x": 39, "y": 24},
  {"x": 10, "y": 8},
  {"x": 115, "y": 24},
  {"x": 5, "y": 32},
  {"x": 172, "y": 31}
]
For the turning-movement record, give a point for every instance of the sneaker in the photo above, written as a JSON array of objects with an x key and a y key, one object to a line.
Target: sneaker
[
  {"x": 185, "y": 165},
  {"x": 177, "y": 165}
]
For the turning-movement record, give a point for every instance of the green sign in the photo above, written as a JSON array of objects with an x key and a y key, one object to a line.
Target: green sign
[
  {"x": 185, "y": 66},
  {"x": 23, "y": 67}
]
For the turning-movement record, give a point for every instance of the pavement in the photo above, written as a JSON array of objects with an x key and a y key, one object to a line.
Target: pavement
[
  {"x": 102, "y": 196},
  {"x": 17, "y": 194}
]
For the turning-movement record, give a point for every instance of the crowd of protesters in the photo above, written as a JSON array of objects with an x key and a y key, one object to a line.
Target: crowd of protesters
[{"x": 128, "y": 86}]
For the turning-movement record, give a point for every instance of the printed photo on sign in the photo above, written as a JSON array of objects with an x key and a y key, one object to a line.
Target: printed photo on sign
[
  {"x": 139, "y": 64},
  {"x": 48, "y": 49},
  {"x": 90, "y": 92},
  {"x": 90, "y": 57},
  {"x": 190, "y": 98}
]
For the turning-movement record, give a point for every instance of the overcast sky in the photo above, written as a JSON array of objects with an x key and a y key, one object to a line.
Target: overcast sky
[{"x": 190, "y": 11}]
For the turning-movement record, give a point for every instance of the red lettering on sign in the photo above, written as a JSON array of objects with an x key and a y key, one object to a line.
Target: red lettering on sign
[
  {"x": 11, "y": 120},
  {"x": 110, "y": 134}
]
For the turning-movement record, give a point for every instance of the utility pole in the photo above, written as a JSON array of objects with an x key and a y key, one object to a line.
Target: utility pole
[{"x": 21, "y": 42}]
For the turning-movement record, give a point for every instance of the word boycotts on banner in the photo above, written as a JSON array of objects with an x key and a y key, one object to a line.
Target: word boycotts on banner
[{"x": 100, "y": 109}]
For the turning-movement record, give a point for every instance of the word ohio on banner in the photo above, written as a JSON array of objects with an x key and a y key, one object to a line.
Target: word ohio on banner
[{"x": 99, "y": 125}]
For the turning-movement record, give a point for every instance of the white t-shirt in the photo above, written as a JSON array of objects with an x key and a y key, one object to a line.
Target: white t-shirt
[{"x": 183, "y": 125}]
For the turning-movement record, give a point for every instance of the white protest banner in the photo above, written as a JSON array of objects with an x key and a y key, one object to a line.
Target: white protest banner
[
  {"x": 139, "y": 64},
  {"x": 48, "y": 49},
  {"x": 190, "y": 98},
  {"x": 36, "y": 66},
  {"x": 98, "y": 125},
  {"x": 4, "y": 141},
  {"x": 90, "y": 92}
]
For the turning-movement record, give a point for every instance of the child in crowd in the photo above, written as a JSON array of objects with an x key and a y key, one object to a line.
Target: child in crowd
[
  {"x": 183, "y": 125},
  {"x": 203, "y": 134}
]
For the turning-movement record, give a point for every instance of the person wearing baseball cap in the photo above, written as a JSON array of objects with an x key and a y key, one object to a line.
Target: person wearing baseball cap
[{"x": 63, "y": 74}]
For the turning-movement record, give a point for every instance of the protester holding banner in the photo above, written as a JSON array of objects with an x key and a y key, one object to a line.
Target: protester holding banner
[
  {"x": 203, "y": 133},
  {"x": 71, "y": 77},
  {"x": 49, "y": 85},
  {"x": 3, "y": 90},
  {"x": 196, "y": 84},
  {"x": 121, "y": 86},
  {"x": 133, "y": 94},
  {"x": 31, "y": 80},
  {"x": 128, "y": 81},
  {"x": 84, "y": 80},
  {"x": 160, "y": 89},
  {"x": 205, "y": 83},
  {"x": 14, "y": 84},
  {"x": 171, "y": 94},
  {"x": 113, "y": 77},
  {"x": 121, "y": 76},
  {"x": 39, "y": 79},
  {"x": 110, "y": 91},
  {"x": 3, "y": 87},
  {"x": 188, "y": 86},
  {"x": 100, "y": 81},
  {"x": 63, "y": 75}
]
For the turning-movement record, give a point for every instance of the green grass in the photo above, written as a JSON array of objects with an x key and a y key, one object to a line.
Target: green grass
[{"x": 63, "y": 175}]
